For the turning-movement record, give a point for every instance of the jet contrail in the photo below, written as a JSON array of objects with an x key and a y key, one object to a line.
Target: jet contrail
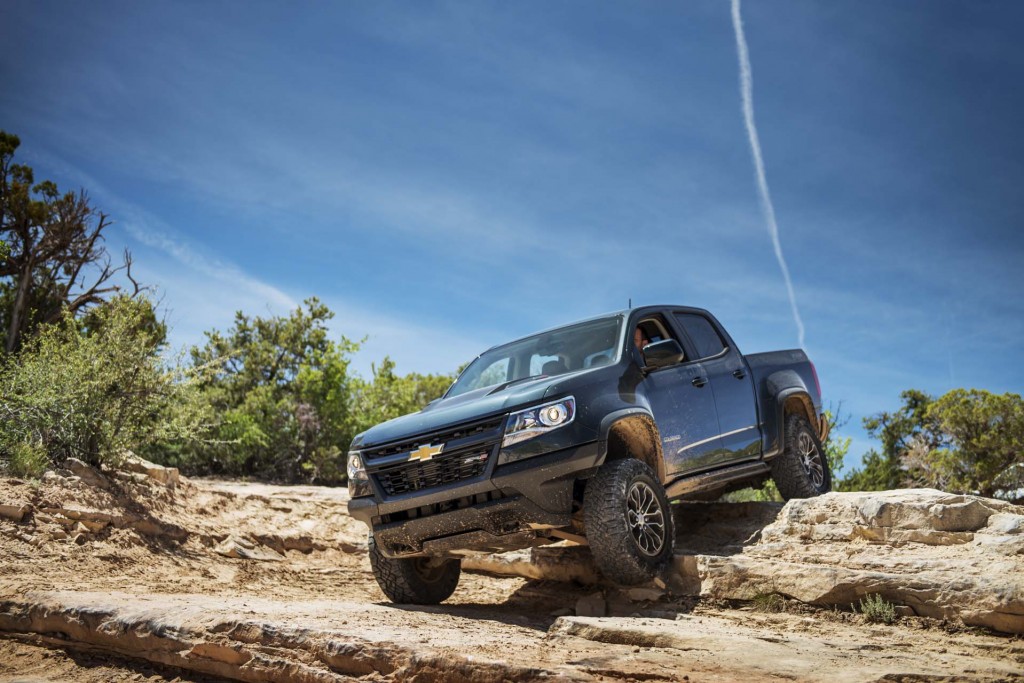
[{"x": 747, "y": 93}]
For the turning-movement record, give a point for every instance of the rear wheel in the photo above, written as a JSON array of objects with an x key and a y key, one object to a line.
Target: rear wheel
[
  {"x": 414, "y": 580},
  {"x": 628, "y": 522},
  {"x": 801, "y": 471}
]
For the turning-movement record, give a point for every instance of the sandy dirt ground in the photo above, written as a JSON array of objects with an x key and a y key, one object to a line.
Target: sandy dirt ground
[{"x": 130, "y": 580}]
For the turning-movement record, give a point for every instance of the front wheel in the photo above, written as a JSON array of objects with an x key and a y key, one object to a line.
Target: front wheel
[
  {"x": 628, "y": 522},
  {"x": 414, "y": 580},
  {"x": 801, "y": 470}
]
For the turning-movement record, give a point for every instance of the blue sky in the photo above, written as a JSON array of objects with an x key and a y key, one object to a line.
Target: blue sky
[{"x": 447, "y": 176}]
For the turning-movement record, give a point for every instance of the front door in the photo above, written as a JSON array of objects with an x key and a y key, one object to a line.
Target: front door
[{"x": 683, "y": 403}]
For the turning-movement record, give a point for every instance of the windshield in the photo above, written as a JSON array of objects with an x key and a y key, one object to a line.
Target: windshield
[{"x": 567, "y": 349}]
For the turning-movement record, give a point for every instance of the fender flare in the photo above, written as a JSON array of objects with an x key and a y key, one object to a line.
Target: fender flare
[
  {"x": 807, "y": 409},
  {"x": 655, "y": 460}
]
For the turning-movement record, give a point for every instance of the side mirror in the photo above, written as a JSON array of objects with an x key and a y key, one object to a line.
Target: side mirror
[{"x": 662, "y": 354}]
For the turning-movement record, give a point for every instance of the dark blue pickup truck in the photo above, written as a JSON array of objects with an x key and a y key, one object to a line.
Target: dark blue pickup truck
[{"x": 584, "y": 432}]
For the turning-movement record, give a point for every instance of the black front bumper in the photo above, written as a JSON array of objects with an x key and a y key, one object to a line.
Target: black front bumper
[{"x": 499, "y": 513}]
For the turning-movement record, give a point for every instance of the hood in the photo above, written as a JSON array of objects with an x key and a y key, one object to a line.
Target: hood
[{"x": 467, "y": 407}]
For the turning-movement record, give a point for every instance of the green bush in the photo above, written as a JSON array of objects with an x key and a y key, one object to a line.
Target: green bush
[
  {"x": 287, "y": 405},
  {"x": 877, "y": 610},
  {"x": 281, "y": 391},
  {"x": 28, "y": 460},
  {"x": 94, "y": 390},
  {"x": 769, "y": 602}
]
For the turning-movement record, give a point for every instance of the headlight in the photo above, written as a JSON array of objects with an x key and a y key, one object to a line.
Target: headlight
[
  {"x": 358, "y": 482},
  {"x": 538, "y": 420}
]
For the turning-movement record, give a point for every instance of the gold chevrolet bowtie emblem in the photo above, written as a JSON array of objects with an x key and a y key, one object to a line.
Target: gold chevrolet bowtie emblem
[{"x": 425, "y": 452}]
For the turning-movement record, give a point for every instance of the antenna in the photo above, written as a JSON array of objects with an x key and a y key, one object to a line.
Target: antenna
[{"x": 630, "y": 305}]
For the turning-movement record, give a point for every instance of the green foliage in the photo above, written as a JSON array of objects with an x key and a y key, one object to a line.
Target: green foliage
[
  {"x": 769, "y": 602},
  {"x": 882, "y": 471},
  {"x": 52, "y": 256},
  {"x": 976, "y": 445},
  {"x": 388, "y": 395},
  {"x": 282, "y": 391},
  {"x": 836, "y": 447},
  {"x": 93, "y": 392},
  {"x": 877, "y": 610},
  {"x": 28, "y": 459},
  {"x": 288, "y": 404},
  {"x": 967, "y": 441}
]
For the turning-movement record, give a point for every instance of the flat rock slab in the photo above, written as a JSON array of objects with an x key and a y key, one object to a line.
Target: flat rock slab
[
  {"x": 262, "y": 641},
  {"x": 258, "y": 640},
  {"x": 789, "y": 647}
]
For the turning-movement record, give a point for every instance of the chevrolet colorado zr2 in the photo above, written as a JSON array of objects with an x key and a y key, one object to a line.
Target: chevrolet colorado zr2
[{"x": 584, "y": 432}]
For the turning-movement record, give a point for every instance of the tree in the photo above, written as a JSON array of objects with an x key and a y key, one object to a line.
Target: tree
[
  {"x": 52, "y": 257},
  {"x": 389, "y": 395},
  {"x": 287, "y": 403},
  {"x": 976, "y": 445},
  {"x": 283, "y": 393},
  {"x": 966, "y": 441},
  {"x": 883, "y": 470}
]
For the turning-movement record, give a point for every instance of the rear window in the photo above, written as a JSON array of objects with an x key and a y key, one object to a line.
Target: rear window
[{"x": 704, "y": 335}]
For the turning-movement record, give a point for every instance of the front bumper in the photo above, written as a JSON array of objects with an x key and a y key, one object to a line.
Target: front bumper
[{"x": 498, "y": 513}]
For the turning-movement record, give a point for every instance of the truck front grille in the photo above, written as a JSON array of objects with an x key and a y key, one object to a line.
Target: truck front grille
[
  {"x": 480, "y": 430},
  {"x": 440, "y": 470}
]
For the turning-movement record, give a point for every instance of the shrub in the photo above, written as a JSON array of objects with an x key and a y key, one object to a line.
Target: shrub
[
  {"x": 28, "y": 459},
  {"x": 877, "y": 610},
  {"x": 93, "y": 391},
  {"x": 769, "y": 602}
]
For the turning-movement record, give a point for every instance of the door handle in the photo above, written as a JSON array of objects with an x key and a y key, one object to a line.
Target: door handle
[
  {"x": 699, "y": 381},
  {"x": 739, "y": 374}
]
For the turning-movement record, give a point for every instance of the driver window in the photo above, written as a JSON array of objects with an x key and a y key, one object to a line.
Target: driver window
[{"x": 649, "y": 331}]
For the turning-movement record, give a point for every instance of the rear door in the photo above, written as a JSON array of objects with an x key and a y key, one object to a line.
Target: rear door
[{"x": 732, "y": 385}]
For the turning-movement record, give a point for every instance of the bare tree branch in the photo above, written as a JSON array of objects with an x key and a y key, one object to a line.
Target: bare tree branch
[{"x": 57, "y": 260}]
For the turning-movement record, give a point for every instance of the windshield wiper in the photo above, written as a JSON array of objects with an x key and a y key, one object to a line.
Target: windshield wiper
[{"x": 513, "y": 381}]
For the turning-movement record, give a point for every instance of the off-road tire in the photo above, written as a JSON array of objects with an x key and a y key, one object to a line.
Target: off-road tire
[
  {"x": 613, "y": 529},
  {"x": 801, "y": 470},
  {"x": 412, "y": 581}
]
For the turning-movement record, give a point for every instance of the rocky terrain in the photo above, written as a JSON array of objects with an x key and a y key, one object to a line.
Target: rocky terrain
[{"x": 143, "y": 575}]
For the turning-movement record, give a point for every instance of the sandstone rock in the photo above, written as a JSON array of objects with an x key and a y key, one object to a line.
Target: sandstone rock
[
  {"x": 940, "y": 555},
  {"x": 1005, "y": 523},
  {"x": 224, "y": 638},
  {"x": 64, "y": 478},
  {"x": 791, "y": 651},
  {"x": 245, "y": 549},
  {"x": 592, "y": 605},
  {"x": 168, "y": 476},
  {"x": 551, "y": 563},
  {"x": 642, "y": 594},
  {"x": 281, "y": 544},
  {"x": 89, "y": 475},
  {"x": 15, "y": 513}
]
